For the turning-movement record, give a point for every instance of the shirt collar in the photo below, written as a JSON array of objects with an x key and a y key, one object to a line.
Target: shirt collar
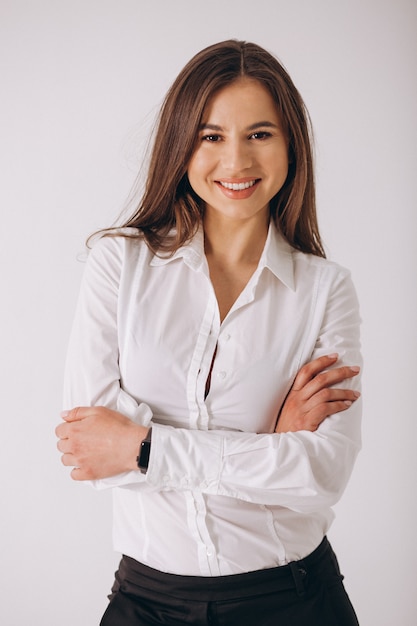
[
  {"x": 192, "y": 253},
  {"x": 276, "y": 256}
]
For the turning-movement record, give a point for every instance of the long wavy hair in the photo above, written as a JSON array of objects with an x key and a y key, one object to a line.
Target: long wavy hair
[{"x": 170, "y": 212}]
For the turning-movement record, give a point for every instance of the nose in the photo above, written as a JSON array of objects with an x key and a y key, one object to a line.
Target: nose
[{"x": 236, "y": 155}]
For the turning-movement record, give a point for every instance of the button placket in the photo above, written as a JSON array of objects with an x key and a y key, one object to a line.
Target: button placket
[
  {"x": 200, "y": 365},
  {"x": 221, "y": 369},
  {"x": 206, "y": 550}
]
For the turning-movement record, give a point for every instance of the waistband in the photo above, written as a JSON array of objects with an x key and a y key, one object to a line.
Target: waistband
[{"x": 219, "y": 588}]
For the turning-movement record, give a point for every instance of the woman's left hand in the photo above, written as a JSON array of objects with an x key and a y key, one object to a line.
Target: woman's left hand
[
  {"x": 313, "y": 398},
  {"x": 98, "y": 442}
]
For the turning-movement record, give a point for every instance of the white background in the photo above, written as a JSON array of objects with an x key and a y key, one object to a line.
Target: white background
[{"x": 80, "y": 83}]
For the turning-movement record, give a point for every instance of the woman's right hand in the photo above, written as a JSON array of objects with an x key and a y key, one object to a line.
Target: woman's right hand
[{"x": 312, "y": 397}]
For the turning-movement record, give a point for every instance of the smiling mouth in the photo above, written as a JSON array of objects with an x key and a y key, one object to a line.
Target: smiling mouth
[{"x": 238, "y": 186}]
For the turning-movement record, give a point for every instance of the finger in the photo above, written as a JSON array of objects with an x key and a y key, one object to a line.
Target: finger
[
  {"x": 325, "y": 403},
  {"x": 323, "y": 411},
  {"x": 331, "y": 395},
  {"x": 64, "y": 446},
  {"x": 330, "y": 378},
  {"x": 311, "y": 369},
  {"x": 76, "y": 473},
  {"x": 79, "y": 473},
  {"x": 68, "y": 460},
  {"x": 61, "y": 445},
  {"x": 77, "y": 413},
  {"x": 61, "y": 431}
]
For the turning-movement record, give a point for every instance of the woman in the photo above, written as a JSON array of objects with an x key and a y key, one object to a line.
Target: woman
[{"x": 214, "y": 356}]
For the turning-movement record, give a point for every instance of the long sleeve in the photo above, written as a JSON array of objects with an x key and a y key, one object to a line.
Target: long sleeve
[{"x": 92, "y": 374}]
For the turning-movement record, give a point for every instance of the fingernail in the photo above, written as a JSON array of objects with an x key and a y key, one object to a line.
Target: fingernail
[
  {"x": 357, "y": 394},
  {"x": 348, "y": 402},
  {"x": 334, "y": 355},
  {"x": 355, "y": 368},
  {"x": 64, "y": 413}
]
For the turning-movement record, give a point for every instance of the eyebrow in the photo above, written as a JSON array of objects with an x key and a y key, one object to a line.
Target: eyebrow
[{"x": 263, "y": 124}]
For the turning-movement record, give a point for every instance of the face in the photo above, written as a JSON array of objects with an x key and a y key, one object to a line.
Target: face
[{"x": 241, "y": 158}]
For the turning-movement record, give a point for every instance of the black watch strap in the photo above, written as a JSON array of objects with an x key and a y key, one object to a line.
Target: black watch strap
[{"x": 144, "y": 453}]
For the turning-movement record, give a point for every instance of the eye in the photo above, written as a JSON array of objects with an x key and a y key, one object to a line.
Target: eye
[
  {"x": 260, "y": 134},
  {"x": 211, "y": 138}
]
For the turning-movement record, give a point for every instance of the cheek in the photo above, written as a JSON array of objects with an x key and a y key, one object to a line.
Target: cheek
[
  {"x": 283, "y": 163},
  {"x": 197, "y": 169},
  {"x": 192, "y": 180}
]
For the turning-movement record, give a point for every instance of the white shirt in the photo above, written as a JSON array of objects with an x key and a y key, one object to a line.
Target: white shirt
[{"x": 223, "y": 494}]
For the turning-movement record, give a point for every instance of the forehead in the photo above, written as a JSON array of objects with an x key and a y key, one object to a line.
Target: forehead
[{"x": 244, "y": 99}]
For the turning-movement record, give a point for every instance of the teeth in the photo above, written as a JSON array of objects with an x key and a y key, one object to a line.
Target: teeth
[{"x": 238, "y": 186}]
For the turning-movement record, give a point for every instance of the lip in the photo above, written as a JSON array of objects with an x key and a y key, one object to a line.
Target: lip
[{"x": 238, "y": 194}]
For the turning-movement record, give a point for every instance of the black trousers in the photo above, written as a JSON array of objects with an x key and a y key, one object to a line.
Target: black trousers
[{"x": 309, "y": 592}]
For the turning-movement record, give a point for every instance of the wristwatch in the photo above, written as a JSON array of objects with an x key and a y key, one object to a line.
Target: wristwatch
[{"x": 144, "y": 452}]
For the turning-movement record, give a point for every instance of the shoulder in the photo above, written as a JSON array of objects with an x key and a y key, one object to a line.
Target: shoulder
[
  {"x": 116, "y": 253},
  {"x": 117, "y": 246},
  {"x": 327, "y": 281},
  {"x": 318, "y": 267}
]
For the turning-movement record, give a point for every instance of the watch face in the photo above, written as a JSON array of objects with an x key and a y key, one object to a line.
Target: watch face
[{"x": 144, "y": 453}]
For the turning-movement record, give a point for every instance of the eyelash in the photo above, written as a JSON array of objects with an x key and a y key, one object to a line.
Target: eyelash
[
  {"x": 210, "y": 138},
  {"x": 259, "y": 135}
]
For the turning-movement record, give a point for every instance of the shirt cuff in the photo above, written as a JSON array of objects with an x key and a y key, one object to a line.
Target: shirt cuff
[{"x": 175, "y": 464}]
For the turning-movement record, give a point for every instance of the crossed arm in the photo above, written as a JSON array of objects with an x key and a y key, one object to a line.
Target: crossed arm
[{"x": 99, "y": 442}]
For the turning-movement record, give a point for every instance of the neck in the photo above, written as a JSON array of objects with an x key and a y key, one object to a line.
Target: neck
[{"x": 233, "y": 242}]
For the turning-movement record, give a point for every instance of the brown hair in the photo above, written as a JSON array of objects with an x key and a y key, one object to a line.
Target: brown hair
[{"x": 170, "y": 212}]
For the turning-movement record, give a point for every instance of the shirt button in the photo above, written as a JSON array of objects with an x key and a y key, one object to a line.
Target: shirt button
[
  {"x": 222, "y": 374},
  {"x": 227, "y": 337},
  {"x": 209, "y": 552}
]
